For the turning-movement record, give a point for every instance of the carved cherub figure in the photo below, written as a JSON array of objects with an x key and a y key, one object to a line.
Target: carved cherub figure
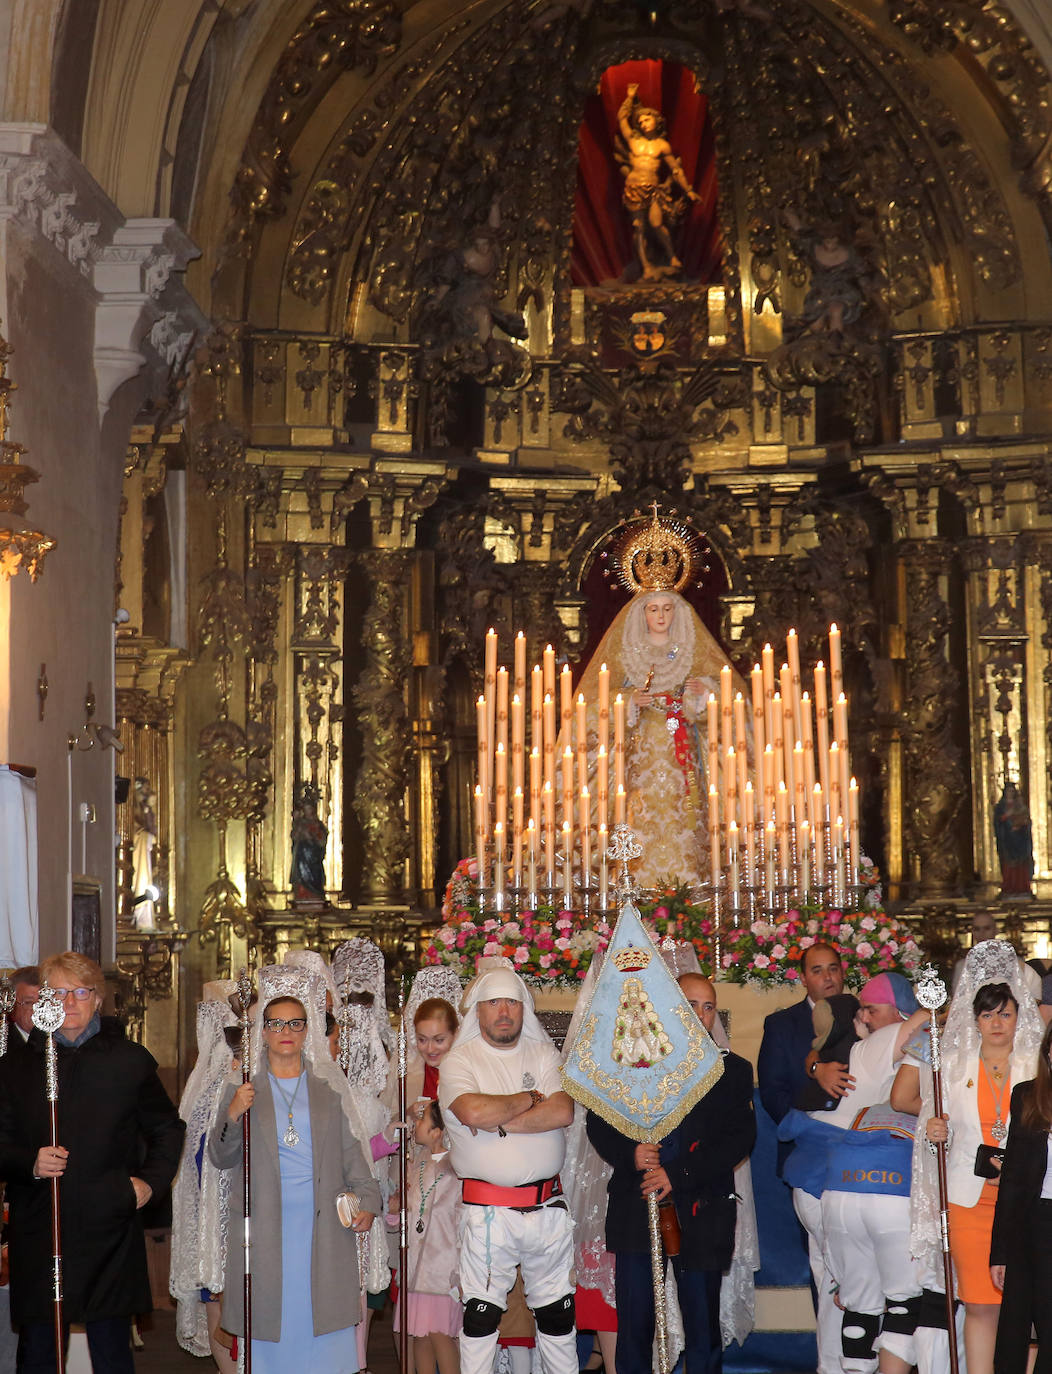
[
  {"x": 656, "y": 187},
  {"x": 842, "y": 283}
]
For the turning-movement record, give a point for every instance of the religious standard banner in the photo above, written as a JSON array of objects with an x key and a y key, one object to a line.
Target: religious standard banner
[{"x": 641, "y": 1059}]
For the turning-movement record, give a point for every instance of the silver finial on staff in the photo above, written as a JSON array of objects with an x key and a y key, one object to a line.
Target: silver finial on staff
[
  {"x": 623, "y": 848},
  {"x": 930, "y": 992},
  {"x": 49, "y": 1014}
]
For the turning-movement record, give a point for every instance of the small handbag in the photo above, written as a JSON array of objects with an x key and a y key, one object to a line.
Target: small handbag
[{"x": 348, "y": 1206}]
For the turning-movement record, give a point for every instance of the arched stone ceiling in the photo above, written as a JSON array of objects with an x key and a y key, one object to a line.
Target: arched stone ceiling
[{"x": 969, "y": 56}]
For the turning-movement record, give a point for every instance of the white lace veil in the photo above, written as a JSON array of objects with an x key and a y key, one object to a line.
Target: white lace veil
[
  {"x": 200, "y": 1194},
  {"x": 358, "y": 966},
  {"x": 992, "y": 961},
  {"x": 437, "y": 980},
  {"x": 640, "y": 658},
  {"x": 315, "y": 963},
  {"x": 364, "y": 1113}
]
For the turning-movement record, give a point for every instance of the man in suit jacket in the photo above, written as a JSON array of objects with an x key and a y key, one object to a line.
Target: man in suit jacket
[
  {"x": 694, "y": 1167},
  {"x": 781, "y": 1073}
]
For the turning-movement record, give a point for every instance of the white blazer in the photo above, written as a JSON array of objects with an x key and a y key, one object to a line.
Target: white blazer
[{"x": 961, "y": 1105}]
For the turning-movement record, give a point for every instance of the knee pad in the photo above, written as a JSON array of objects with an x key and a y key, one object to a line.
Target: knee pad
[
  {"x": 858, "y": 1335},
  {"x": 556, "y": 1318},
  {"x": 481, "y": 1318},
  {"x": 931, "y": 1309},
  {"x": 901, "y": 1314}
]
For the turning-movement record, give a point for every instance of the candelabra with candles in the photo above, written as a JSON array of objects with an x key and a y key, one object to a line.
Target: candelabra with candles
[{"x": 783, "y": 807}]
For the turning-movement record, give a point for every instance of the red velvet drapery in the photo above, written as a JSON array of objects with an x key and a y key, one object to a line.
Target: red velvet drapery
[{"x": 602, "y": 243}]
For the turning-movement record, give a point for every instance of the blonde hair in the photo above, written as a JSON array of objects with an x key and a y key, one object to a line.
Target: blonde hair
[{"x": 82, "y": 971}]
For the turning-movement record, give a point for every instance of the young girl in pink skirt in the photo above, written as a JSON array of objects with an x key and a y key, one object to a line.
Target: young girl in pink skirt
[{"x": 433, "y": 1212}]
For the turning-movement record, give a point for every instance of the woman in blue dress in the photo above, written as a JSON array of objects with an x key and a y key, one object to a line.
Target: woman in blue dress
[{"x": 306, "y": 1149}]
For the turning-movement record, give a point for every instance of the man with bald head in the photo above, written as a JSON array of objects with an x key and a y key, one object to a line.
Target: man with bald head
[{"x": 693, "y": 1169}]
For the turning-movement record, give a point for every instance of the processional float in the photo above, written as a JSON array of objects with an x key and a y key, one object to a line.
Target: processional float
[{"x": 783, "y": 806}]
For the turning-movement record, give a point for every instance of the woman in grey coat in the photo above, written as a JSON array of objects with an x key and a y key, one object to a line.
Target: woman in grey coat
[{"x": 305, "y": 1151}]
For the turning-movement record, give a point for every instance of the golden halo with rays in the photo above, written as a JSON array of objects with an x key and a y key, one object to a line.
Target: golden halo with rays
[{"x": 659, "y": 554}]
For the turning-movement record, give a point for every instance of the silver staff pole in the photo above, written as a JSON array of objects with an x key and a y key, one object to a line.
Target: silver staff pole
[
  {"x": 403, "y": 1186},
  {"x": 7, "y": 1006},
  {"x": 931, "y": 994},
  {"x": 244, "y": 994},
  {"x": 48, "y": 1016}
]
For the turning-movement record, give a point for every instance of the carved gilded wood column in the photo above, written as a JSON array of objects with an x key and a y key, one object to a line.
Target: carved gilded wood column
[
  {"x": 997, "y": 664},
  {"x": 936, "y": 782},
  {"x": 380, "y": 699}
]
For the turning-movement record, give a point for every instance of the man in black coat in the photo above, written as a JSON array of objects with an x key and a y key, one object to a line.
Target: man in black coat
[
  {"x": 781, "y": 1073},
  {"x": 120, "y": 1140},
  {"x": 694, "y": 1168}
]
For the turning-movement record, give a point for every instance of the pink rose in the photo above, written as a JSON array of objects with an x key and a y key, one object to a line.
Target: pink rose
[
  {"x": 791, "y": 975},
  {"x": 521, "y": 955},
  {"x": 545, "y": 961},
  {"x": 778, "y": 952},
  {"x": 661, "y": 913},
  {"x": 864, "y": 949},
  {"x": 761, "y": 961}
]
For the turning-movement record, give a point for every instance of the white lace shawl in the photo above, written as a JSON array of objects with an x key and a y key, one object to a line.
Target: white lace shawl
[
  {"x": 200, "y": 1216},
  {"x": 992, "y": 961},
  {"x": 436, "y": 980}
]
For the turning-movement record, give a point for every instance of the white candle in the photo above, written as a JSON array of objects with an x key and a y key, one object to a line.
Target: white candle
[
  {"x": 535, "y": 788},
  {"x": 565, "y": 702},
  {"x": 602, "y": 786},
  {"x": 619, "y": 745},
  {"x": 767, "y": 660},
  {"x": 585, "y": 822},
  {"x": 603, "y": 710},
  {"x": 836, "y": 665},
  {"x": 548, "y": 659},
  {"x": 567, "y": 866},
  {"x": 822, "y": 727},
  {"x": 519, "y": 661},
  {"x": 536, "y": 707},
  {"x": 516, "y": 836},
  {"x": 604, "y": 879},
  {"x": 482, "y": 726},
  {"x": 582, "y": 742},
  {"x": 620, "y": 805},
  {"x": 714, "y": 836},
  {"x": 490, "y": 681},
  {"x": 531, "y": 864}
]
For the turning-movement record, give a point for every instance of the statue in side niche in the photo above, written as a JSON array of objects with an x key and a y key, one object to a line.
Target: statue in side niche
[{"x": 656, "y": 187}]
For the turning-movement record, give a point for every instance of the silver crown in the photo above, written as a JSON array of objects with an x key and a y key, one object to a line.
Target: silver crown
[
  {"x": 992, "y": 961},
  {"x": 929, "y": 989}
]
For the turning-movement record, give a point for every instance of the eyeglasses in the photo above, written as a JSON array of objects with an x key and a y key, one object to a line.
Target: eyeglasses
[
  {"x": 275, "y": 1023},
  {"x": 81, "y": 994}
]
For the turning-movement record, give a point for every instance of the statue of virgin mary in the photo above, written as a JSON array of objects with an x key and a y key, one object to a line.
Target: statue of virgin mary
[{"x": 665, "y": 664}]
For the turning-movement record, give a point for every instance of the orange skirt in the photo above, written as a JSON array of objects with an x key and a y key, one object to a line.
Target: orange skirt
[{"x": 970, "y": 1232}]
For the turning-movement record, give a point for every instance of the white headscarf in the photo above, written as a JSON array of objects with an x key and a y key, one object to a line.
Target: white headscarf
[
  {"x": 992, "y": 961},
  {"x": 500, "y": 982}
]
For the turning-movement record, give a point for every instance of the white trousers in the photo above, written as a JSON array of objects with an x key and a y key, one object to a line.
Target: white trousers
[
  {"x": 867, "y": 1238},
  {"x": 828, "y": 1317},
  {"x": 931, "y": 1343},
  {"x": 493, "y": 1240}
]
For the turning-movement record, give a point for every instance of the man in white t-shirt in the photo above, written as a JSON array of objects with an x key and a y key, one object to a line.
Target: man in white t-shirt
[{"x": 506, "y": 1116}]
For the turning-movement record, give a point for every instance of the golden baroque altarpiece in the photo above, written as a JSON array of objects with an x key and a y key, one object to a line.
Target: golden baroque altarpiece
[{"x": 856, "y": 416}]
